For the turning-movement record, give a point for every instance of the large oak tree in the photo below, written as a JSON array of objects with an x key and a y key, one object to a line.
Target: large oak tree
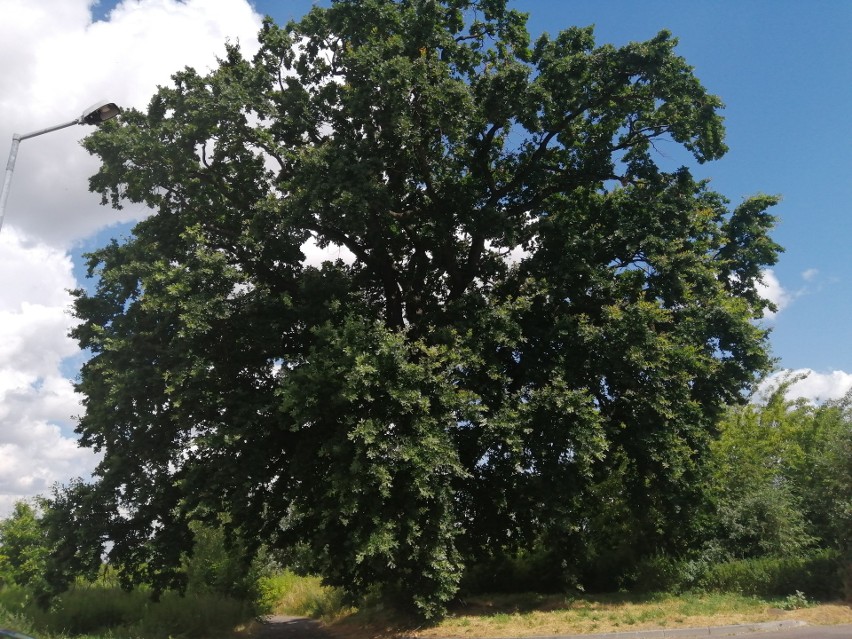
[{"x": 533, "y": 306}]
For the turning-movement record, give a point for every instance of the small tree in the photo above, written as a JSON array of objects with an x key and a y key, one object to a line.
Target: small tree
[
  {"x": 782, "y": 475},
  {"x": 23, "y": 545}
]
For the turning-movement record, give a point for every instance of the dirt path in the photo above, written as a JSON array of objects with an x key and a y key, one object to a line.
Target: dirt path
[{"x": 283, "y": 627}]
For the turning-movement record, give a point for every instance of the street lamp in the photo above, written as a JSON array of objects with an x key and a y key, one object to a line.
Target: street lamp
[{"x": 95, "y": 114}]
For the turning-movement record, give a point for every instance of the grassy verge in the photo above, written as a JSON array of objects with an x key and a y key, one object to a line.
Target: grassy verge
[
  {"x": 529, "y": 615},
  {"x": 101, "y": 612},
  {"x": 110, "y": 612}
]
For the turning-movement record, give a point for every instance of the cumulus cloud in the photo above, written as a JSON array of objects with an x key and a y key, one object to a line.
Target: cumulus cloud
[
  {"x": 58, "y": 60},
  {"x": 770, "y": 289},
  {"x": 37, "y": 402},
  {"x": 813, "y": 386}
]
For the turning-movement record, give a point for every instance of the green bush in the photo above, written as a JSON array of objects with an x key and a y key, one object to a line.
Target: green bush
[
  {"x": 661, "y": 573},
  {"x": 287, "y": 592},
  {"x": 108, "y": 611},
  {"x": 817, "y": 575},
  {"x": 12, "y": 600},
  {"x": 15, "y": 620},
  {"x": 86, "y": 610},
  {"x": 795, "y": 601},
  {"x": 217, "y": 566},
  {"x": 269, "y": 593},
  {"x": 199, "y": 616},
  {"x": 535, "y": 571}
]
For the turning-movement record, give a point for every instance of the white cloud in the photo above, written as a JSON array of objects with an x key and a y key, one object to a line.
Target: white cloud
[
  {"x": 56, "y": 62},
  {"x": 315, "y": 256},
  {"x": 809, "y": 274},
  {"x": 37, "y": 403},
  {"x": 770, "y": 289},
  {"x": 814, "y": 386}
]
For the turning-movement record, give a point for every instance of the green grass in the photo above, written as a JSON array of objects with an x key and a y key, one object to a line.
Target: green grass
[
  {"x": 104, "y": 611},
  {"x": 288, "y": 593},
  {"x": 110, "y": 612},
  {"x": 529, "y": 614}
]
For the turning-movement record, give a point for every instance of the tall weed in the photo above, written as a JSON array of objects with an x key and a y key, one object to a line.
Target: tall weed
[
  {"x": 15, "y": 619},
  {"x": 289, "y": 593},
  {"x": 98, "y": 610}
]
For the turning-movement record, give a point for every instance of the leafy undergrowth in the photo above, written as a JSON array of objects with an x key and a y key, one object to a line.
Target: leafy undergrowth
[
  {"x": 527, "y": 615},
  {"x": 110, "y": 612},
  {"x": 291, "y": 594}
]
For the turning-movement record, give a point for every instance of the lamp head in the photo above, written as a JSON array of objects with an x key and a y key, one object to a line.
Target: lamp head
[{"x": 99, "y": 112}]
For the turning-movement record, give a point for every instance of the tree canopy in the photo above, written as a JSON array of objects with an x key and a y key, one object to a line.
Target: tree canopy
[
  {"x": 535, "y": 310},
  {"x": 782, "y": 475},
  {"x": 23, "y": 551}
]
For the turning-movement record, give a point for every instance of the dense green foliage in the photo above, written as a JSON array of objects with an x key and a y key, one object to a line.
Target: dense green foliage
[
  {"x": 288, "y": 593},
  {"x": 776, "y": 514},
  {"x": 221, "y": 591},
  {"x": 782, "y": 480},
  {"x": 782, "y": 476},
  {"x": 816, "y": 574},
  {"x": 97, "y": 611},
  {"x": 535, "y": 337},
  {"x": 23, "y": 547}
]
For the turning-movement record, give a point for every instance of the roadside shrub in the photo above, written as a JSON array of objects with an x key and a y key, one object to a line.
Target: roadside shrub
[
  {"x": 817, "y": 575},
  {"x": 198, "y": 616},
  {"x": 86, "y": 610},
  {"x": 270, "y": 592},
  {"x": 287, "y": 592},
  {"x": 115, "y": 613},
  {"x": 796, "y": 601},
  {"x": 16, "y": 620},
  {"x": 764, "y": 520},
  {"x": 661, "y": 573},
  {"x": 218, "y": 566},
  {"x": 535, "y": 571},
  {"x": 12, "y": 598}
]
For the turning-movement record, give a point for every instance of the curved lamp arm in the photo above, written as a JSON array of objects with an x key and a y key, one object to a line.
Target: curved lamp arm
[{"x": 95, "y": 114}]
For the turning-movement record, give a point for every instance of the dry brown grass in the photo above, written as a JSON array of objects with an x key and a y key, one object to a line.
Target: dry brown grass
[
  {"x": 825, "y": 614},
  {"x": 530, "y": 615}
]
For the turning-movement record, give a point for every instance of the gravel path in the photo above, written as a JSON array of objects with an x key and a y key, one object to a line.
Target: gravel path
[{"x": 283, "y": 627}]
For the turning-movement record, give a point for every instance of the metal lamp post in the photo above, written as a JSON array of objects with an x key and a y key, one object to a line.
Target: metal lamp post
[{"x": 95, "y": 114}]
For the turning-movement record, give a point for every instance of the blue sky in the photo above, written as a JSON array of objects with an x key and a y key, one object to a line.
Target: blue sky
[{"x": 784, "y": 71}]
